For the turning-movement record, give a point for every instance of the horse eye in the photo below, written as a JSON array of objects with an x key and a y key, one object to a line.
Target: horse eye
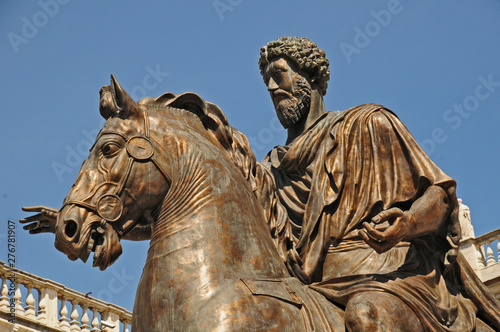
[{"x": 109, "y": 149}]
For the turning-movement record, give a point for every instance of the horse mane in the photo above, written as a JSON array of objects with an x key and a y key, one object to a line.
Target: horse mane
[
  {"x": 260, "y": 178},
  {"x": 215, "y": 122}
]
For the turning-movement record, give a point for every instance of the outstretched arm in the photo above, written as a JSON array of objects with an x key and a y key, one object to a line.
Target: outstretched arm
[
  {"x": 42, "y": 222},
  {"x": 426, "y": 215},
  {"x": 45, "y": 222}
]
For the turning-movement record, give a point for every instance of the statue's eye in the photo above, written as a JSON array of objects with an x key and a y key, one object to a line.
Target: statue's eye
[{"x": 109, "y": 149}]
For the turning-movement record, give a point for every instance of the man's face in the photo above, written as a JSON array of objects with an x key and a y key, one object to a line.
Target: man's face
[{"x": 290, "y": 91}]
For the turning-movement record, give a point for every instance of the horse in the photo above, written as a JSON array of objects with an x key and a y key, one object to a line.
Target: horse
[{"x": 166, "y": 164}]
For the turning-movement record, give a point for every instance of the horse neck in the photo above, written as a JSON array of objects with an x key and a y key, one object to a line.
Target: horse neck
[{"x": 211, "y": 220}]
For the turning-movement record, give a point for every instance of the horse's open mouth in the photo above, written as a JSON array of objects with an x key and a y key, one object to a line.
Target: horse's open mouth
[
  {"x": 95, "y": 244},
  {"x": 105, "y": 244}
]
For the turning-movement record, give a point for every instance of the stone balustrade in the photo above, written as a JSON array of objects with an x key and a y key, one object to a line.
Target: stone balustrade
[
  {"x": 488, "y": 248},
  {"x": 483, "y": 254},
  {"x": 38, "y": 304}
]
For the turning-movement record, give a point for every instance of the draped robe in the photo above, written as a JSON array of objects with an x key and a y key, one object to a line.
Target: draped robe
[{"x": 342, "y": 171}]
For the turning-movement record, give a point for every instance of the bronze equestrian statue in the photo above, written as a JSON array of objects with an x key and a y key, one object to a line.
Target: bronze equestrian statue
[{"x": 350, "y": 225}]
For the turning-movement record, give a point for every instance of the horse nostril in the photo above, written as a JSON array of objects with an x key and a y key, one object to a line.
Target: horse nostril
[{"x": 70, "y": 228}]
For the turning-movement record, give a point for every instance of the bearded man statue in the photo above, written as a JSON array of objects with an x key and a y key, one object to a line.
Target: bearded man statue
[{"x": 372, "y": 221}]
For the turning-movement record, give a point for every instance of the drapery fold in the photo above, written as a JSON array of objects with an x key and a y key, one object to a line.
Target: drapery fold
[{"x": 360, "y": 162}]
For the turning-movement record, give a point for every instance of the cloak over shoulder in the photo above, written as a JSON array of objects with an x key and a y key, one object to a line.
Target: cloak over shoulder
[
  {"x": 362, "y": 161},
  {"x": 345, "y": 169}
]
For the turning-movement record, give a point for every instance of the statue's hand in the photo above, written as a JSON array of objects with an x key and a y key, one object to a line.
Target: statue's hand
[
  {"x": 42, "y": 222},
  {"x": 383, "y": 240}
]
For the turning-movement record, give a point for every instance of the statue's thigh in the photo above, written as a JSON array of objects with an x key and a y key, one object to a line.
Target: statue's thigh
[{"x": 378, "y": 311}]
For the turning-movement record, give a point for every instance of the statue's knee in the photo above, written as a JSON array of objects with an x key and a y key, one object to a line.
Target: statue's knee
[
  {"x": 360, "y": 315},
  {"x": 380, "y": 312}
]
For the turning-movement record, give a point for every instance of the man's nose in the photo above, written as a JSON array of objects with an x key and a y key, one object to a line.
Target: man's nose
[{"x": 271, "y": 85}]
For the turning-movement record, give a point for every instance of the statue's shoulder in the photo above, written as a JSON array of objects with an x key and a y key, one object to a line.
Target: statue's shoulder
[
  {"x": 360, "y": 110},
  {"x": 368, "y": 112},
  {"x": 364, "y": 109},
  {"x": 364, "y": 116}
]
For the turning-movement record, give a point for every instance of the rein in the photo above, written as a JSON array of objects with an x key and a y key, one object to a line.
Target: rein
[{"x": 110, "y": 205}]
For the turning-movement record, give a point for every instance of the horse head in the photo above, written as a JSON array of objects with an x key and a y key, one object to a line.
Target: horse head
[
  {"x": 119, "y": 184},
  {"x": 142, "y": 147}
]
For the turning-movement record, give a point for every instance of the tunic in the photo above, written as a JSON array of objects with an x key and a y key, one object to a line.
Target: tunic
[{"x": 342, "y": 171}]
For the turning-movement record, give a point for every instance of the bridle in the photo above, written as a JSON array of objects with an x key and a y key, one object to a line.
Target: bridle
[{"x": 109, "y": 206}]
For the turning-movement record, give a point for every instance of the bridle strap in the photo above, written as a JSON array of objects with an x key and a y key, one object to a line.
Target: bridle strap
[
  {"x": 123, "y": 180},
  {"x": 137, "y": 148}
]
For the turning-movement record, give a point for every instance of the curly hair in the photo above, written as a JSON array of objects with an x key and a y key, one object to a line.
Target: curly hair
[{"x": 304, "y": 53}]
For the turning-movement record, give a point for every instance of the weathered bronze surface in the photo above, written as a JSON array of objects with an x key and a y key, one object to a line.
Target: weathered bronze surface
[{"x": 350, "y": 225}]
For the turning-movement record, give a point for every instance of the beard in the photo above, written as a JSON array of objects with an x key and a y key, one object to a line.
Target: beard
[{"x": 291, "y": 110}]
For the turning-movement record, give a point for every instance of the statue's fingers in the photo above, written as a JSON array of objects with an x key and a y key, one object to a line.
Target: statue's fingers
[
  {"x": 373, "y": 233},
  {"x": 387, "y": 215},
  {"x": 37, "y": 208},
  {"x": 376, "y": 245},
  {"x": 35, "y": 217},
  {"x": 50, "y": 214},
  {"x": 51, "y": 209},
  {"x": 32, "y": 226}
]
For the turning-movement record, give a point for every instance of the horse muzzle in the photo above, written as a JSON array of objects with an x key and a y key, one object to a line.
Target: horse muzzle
[{"x": 79, "y": 232}]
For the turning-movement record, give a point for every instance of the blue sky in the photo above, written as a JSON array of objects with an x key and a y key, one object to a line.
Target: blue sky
[{"x": 436, "y": 64}]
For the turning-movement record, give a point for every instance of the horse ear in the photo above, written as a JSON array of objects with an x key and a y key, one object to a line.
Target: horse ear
[
  {"x": 106, "y": 104},
  {"x": 121, "y": 98},
  {"x": 114, "y": 99}
]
